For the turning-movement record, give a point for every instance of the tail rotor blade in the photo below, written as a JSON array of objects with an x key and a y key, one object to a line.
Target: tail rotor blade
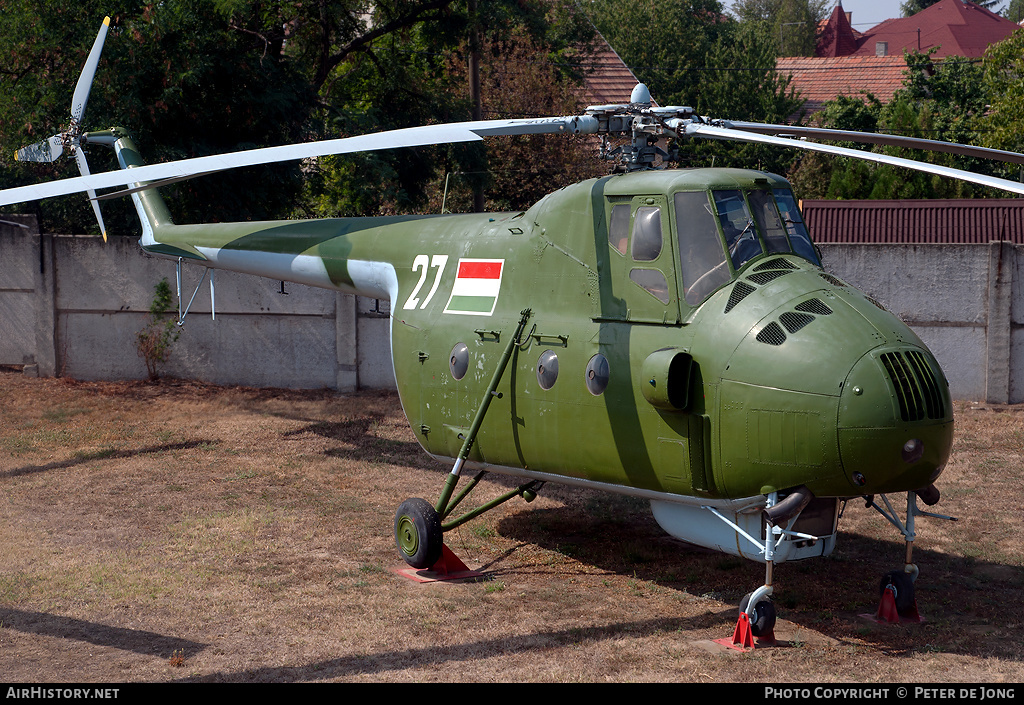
[
  {"x": 49, "y": 150},
  {"x": 81, "y": 96},
  {"x": 83, "y": 167}
]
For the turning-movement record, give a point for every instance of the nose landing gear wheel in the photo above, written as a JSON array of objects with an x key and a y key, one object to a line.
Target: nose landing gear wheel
[
  {"x": 762, "y": 623},
  {"x": 418, "y": 533}
]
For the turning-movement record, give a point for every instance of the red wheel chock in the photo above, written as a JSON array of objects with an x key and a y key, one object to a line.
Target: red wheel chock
[
  {"x": 888, "y": 613},
  {"x": 447, "y": 567},
  {"x": 743, "y": 637},
  {"x": 887, "y": 608}
]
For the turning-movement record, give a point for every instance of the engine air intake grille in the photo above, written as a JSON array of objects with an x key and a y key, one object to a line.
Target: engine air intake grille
[
  {"x": 814, "y": 306},
  {"x": 765, "y": 277},
  {"x": 831, "y": 280},
  {"x": 771, "y": 334},
  {"x": 775, "y": 264},
  {"x": 794, "y": 321},
  {"x": 739, "y": 292},
  {"x": 917, "y": 389}
]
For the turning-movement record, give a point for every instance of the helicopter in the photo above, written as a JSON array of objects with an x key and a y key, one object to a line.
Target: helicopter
[{"x": 668, "y": 334}]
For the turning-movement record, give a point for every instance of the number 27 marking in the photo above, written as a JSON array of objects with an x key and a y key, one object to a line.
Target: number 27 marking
[{"x": 423, "y": 263}]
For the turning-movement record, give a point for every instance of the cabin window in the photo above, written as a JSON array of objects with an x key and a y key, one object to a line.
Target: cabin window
[
  {"x": 618, "y": 230},
  {"x": 653, "y": 281},
  {"x": 700, "y": 247},
  {"x": 738, "y": 227},
  {"x": 646, "y": 234},
  {"x": 798, "y": 236}
]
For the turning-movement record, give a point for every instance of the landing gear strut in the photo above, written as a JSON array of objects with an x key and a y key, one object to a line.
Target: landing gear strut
[
  {"x": 896, "y": 590},
  {"x": 419, "y": 527}
]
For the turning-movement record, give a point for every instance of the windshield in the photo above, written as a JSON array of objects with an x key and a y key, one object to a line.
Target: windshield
[
  {"x": 737, "y": 227},
  {"x": 795, "y": 228},
  {"x": 752, "y": 223}
]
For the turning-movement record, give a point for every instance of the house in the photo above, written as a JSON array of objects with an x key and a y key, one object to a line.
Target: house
[
  {"x": 851, "y": 63},
  {"x": 949, "y": 27}
]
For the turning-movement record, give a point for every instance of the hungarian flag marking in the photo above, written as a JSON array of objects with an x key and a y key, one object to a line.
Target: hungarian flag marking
[{"x": 476, "y": 288}]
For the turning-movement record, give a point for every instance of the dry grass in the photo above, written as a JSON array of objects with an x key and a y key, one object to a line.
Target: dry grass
[{"x": 177, "y": 531}]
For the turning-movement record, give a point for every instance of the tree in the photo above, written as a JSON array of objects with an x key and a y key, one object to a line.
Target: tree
[
  {"x": 665, "y": 42},
  {"x": 174, "y": 76},
  {"x": 192, "y": 77},
  {"x": 1015, "y": 11},
  {"x": 794, "y": 23},
  {"x": 912, "y": 7},
  {"x": 1003, "y": 82}
]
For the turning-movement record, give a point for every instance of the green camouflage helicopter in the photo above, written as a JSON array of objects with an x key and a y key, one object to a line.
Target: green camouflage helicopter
[{"x": 663, "y": 333}]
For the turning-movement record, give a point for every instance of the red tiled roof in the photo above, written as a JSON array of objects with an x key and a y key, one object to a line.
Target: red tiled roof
[
  {"x": 953, "y": 27},
  {"x": 609, "y": 81},
  {"x": 818, "y": 79}
]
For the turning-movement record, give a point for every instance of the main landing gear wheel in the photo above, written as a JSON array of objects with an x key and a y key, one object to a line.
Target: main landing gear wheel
[
  {"x": 902, "y": 586},
  {"x": 418, "y": 533},
  {"x": 763, "y": 621}
]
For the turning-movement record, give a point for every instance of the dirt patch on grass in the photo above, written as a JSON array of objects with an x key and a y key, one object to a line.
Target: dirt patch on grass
[{"x": 181, "y": 531}]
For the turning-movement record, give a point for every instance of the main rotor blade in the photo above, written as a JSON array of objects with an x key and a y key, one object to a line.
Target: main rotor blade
[
  {"x": 722, "y": 133},
  {"x": 83, "y": 167},
  {"x": 821, "y": 133},
  {"x": 408, "y": 137},
  {"x": 46, "y": 151},
  {"x": 82, "y": 88}
]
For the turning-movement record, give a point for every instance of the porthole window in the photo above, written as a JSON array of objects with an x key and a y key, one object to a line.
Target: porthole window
[
  {"x": 547, "y": 369},
  {"x": 458, "y": 363},
  {"x": 597, "y": 374}
]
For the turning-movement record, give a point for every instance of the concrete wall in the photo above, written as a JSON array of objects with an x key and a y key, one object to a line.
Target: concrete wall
[
  {"x": 964, "y": 301},
  {"x": 73, "y": 306}
]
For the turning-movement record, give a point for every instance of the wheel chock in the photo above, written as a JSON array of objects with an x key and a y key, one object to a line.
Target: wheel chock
[
  {"x": 887, "y": 608},
  {"x": 449, "y": 563},
  {"x": 888, "y": 614},
  {"x": 742, "y": 637},
  {"x": 448, "y": 567}
]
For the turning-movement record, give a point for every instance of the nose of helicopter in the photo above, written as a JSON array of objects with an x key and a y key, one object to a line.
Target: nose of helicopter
[
  {"x": 829, "y": 390},
  {"x": 895, "y": 420}
]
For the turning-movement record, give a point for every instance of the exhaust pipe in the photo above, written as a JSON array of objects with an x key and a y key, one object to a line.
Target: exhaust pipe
[{"x": 788, "y": 508}]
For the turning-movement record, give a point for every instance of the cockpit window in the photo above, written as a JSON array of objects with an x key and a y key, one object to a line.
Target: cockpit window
[
  {"x": 769, "y": 221},
  {"x": 738, "y": 227},
  {"x": 798, "y": 236},
  {"x": 704, "y": 267}
]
